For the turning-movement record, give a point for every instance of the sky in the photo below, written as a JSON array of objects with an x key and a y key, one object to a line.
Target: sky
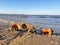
[{"x": 40, "y": 7}]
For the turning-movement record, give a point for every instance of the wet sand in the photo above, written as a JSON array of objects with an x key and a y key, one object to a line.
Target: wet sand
[{"x": 8, "y": 37}]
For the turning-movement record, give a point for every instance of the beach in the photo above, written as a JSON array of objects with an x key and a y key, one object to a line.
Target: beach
[{"x": 8, "y": 37}]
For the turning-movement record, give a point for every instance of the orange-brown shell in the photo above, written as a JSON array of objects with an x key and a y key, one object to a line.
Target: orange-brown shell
[
  {"x": 47, "y": 31},
  {"x": 16, "y": 26},
  {"x": 27, "y": 26}
]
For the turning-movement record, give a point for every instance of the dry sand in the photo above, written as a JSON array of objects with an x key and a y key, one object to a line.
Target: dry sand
[{"x": 8, "y": 37}]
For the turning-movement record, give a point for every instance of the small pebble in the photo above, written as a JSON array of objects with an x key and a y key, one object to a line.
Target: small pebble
[
  {"x": 56, "y": 43},
  {"x": 51, "y": 41}
]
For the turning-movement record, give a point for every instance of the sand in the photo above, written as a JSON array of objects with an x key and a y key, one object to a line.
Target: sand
[{"x": 8, "y": 37}]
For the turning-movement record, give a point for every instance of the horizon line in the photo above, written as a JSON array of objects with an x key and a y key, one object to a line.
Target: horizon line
[{"x": 29, "y": 14}]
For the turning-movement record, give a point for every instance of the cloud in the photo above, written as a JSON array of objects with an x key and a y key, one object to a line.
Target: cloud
[{"x": 41, "y": 12}]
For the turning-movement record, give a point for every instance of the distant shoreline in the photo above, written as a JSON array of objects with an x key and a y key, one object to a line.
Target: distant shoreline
[{"x": 29, "y": 16}]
